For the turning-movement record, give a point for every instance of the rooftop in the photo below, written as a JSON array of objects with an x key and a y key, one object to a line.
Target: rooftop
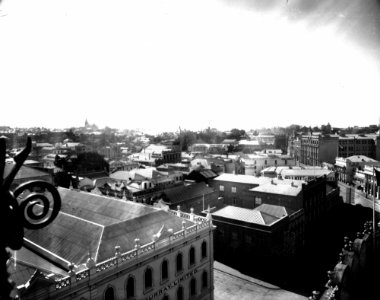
[
  {"x": 360, "y": 158},
  {"x": 280, "y": 187},
  {"x": 187, "y": 192},
  {"x": 24, "y": 172},
  {"x": 249, "y": 179},
  {"x": 264, "y": 214},
  {"x": 233, "y": 285},
  {"x": 96, "y": 224}
]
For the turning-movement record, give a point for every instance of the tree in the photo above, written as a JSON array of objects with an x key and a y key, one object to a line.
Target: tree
[{"x": 236, "y": 134}]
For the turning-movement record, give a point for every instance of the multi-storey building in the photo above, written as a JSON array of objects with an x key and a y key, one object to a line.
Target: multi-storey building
[
  {"x": 318, "y": 148},
  {"x": 347, "y": 167},
  {"x": 268, "y": 230},
  {"x": 254, "y": 164},
  {"x": 235, "y": 189},
  {"x": 359, "y": 144},
  {"x": 101, "y": 248}
]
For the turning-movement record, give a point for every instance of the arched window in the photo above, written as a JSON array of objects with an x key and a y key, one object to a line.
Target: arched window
[
  {"x": 180, "y": 293},
  {"x": 109, "y": 294},
  {"x": 148, "y": 278},
  {"x": 193, "y": 287},
  {"x": 130, "y": 287},
  {"x": 166, "y": 297},
  {"x": 179, "y": 262},
  {"x": 164, "y": 270},
  {"x": 204, "y": 249},
  {"x": 204, "y": 280},
  {"x": 192, "y": 256}
]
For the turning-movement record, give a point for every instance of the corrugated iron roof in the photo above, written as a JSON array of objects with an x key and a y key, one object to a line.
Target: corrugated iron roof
[{"x": 96, "y": 224}]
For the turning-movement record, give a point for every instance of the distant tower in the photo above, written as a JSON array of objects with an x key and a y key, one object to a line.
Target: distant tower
[{"x": 86, "y": 124}]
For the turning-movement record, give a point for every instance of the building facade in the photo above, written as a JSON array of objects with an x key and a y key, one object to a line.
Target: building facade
[
  {"x": 235, "y": 189},
  {"x": 318, "y": 148}
]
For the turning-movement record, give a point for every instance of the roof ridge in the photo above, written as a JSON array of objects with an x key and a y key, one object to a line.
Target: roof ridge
[
  {"x": 98, "y": 247},
  {"x": 75, "y": 217}
]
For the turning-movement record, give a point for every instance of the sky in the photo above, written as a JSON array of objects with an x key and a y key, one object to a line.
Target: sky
[{"x": 165, "y": 64}]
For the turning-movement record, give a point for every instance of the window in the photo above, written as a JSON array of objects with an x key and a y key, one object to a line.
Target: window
[
  {"x": 109, "y": 294},
  {"x": 180, "y": 293},
  {"x": 204, "y": 280},
  {"x": 193, "y": 287},
  {"x": 148, "y": 278},
  {"x": 179, "y": 262},
  {"x": 258, "y": 201},
  {"x": 166, "y": 297},
  {"x": 204, "y": 249},
  {"x": 192, "y": 256},
  {"x": 221, "y": 188},
  {"x": 233, "y": 189},
  {"x": 164, "y": 270},
  {"x": 265, "y": 162},
  {"x": 130, "y": 287}
]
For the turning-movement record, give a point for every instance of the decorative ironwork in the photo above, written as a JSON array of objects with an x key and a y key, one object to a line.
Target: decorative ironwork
[{"x": 27, "y": 206}]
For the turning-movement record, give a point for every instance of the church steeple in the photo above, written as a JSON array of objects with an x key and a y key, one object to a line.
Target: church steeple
[{"x": 86, "y": 124}]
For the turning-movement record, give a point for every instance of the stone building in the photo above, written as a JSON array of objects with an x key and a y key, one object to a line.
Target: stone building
[{"x": 102, "y": 248}]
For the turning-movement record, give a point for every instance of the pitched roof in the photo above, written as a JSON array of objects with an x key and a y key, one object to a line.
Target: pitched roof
[
  {"x": 187, "y": 192},
  {"x": 122, "y": 175},
  {"x": 246, "y": 215},
  {"x": 274, "y": 210},
  {"x": 24, "y": 172},
  {"x": 96, "y": 224}
]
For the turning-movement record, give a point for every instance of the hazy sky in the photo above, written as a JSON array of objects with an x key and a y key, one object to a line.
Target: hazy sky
[{"x": 162, "y": 64}]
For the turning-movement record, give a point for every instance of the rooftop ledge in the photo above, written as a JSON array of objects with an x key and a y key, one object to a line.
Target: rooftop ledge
[{"x": 122, "y": 259}]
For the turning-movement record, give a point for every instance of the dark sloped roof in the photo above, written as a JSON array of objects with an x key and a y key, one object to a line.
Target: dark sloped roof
[
  {"x": 24, "y": 172},
  {"x": 96, "y": 224},
  {"x": 99, "y": 209},
  {"x": 274, "y": 210},
  {"x": 183, "y": 193},
  {"x": 68, "y": 237},
  {"x": 20, "y": 273},
  {"x": 208, "y": 173},
  {"x": 144, "y": 227}
]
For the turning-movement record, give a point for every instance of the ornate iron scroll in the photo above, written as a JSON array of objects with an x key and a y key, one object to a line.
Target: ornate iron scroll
[{"x": 27, "y": 206}]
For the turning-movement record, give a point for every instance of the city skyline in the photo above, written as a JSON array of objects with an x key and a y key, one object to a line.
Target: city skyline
[{"x": 161, "y": 66}]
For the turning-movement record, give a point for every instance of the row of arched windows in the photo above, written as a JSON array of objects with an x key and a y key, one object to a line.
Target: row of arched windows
[
  {"x": 110, "y": 293},
  {"x": 148, "y": 276}
]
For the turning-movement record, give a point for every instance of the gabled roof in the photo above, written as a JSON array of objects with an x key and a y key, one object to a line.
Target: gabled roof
[
  {"x": 246, "y": 215},
  {"x": 187, "y": 192},
  {"x": 96, "y": 224},
  {"x": 274, "y": 210}
]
